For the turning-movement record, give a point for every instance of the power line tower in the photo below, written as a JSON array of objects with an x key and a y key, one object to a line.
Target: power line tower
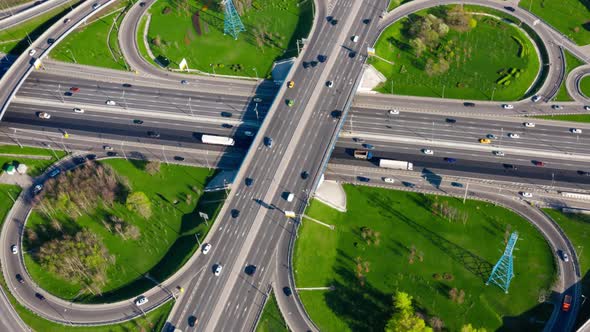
[
  {"x": 232, "y": 25},
  {"x": 502, "y": 273}
]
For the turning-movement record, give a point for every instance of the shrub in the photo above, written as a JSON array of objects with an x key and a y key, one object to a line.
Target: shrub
[
  {"x": 166, "y": 10},
  {"x": 448, "y": 276},
  {"x": 436, "y": 276}
]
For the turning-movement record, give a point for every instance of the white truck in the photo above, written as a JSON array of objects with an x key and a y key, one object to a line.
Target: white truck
[
  {"x": 219, "y": 140},
  {"x": 396, "y": 164}
]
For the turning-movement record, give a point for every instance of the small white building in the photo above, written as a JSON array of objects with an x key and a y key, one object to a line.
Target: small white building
[{"x": 22, "y": 169}]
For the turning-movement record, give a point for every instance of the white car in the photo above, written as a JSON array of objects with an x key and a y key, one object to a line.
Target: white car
[
  {"x": 576, "y": 130},
  {"x": 557, "y": 107},
  {"x": 206, "y": 248},
  {"x": 218, "y": 268},
  {"x": 526, "y": 194},
  {"x": 566, "y": 258},
  {"x": 108, "y": 148},
  {"x": 95, "y": 6},
  {"x": 44, "y": 115},
  {"x": 330, "y": 84},
  {"x": 536, "y": 98},
  {"x": 507, "y": 106},
  {"x": 491, "y": 136},
  {"x": 498, "y": 153},
  {"x": 529, "y": 124},
  {"x": 32, "y": 52},
  {"x": 587, "y": 108},
  {"x": 110, "y": 102},
  {"x": 78, "y": 110},
  {"x": 141, "y": 300},
  {"x": 14, "y": 249},
  {"x": 427, "y": 151},
  {"x": 513, "y": 135},
  {"x": 389, "y": 180},
  {"x": 393, "y": 112},
  {"x": 185, "y": 82}
]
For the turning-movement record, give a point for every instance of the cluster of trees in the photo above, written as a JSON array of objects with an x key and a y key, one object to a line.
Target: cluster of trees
[
  {"x": 139, "y": 203},
  {"x": 370, "y": 236},
  {"x": 153, "y": 167},
  {"x": 115, "y": 224},
  {"x": 405, "y": 319},
  {"x": 426, "y": 34},
  {"x": 362, "y": 267},
  {"x": 415, "y": 253},
  {"x": 457, "y": 295},
  {"x": 448, "y": 212},
  {"x": 79, "y": 191},
  {"x": 81, "y": 258}
]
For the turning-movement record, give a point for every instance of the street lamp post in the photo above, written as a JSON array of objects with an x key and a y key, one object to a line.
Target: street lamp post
[
  {"x": 256, "y": 111},
  {"x": 72, "y": 54},
  {"x": 255, "y": 71},
  {"x": 197, "y": 237},
  {"x": 212, "y": 67}
]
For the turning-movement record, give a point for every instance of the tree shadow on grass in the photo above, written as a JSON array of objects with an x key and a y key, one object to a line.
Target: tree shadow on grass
[
  {"x": 363, "y": 308},
  {"x": 473, "y": 263}
]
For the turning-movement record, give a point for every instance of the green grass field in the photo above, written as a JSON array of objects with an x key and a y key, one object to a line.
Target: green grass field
[
  {"x": 35, "y": 166},
  {"x": 14, "y": 40},
  {"x": 167, "y": 239},
  {"x": 208, "y": 50},
  {"x": 393, "y": 4},
  {"x": 577, "y": 229},
  {"x": 7, "y": 194},
  {"x": 571, "y": 62},
  {"x": 88, "y": 44},
  {"x": 271, "y": 319},
  {"x": 570, "y": 17},
  {"x": 480, "y": 54},
  {"x": 585, "y": 86},
  {"x": 406, "y": 222},
  {"x": 571, "y": 117}
]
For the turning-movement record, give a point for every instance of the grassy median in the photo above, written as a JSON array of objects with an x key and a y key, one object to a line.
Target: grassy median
[
  {"x": 485, "y": 59},
  {"x": 585, "y": 86},
  {"x": 156, "y": 244},
  {"x": 571, "y": 62},
  {"x": 10, "y": 154},
  {"x": 391, "y": 241},
  {"x": 570, "y": 17},
  {"x": 271, "y": 319}
]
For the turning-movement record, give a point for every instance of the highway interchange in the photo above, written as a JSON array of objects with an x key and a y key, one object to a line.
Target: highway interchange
[{"x": 266, "y": 238}]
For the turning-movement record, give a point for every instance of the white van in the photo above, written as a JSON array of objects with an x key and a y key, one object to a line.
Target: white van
[
  {"x": 290, "y": 197},
  {"x": 355, "y": 39}
]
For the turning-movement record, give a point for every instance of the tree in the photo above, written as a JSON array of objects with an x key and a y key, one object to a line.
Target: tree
[
  {"x": 469, "y": 328},
  {"x": 139, "y": 202},
  {"x": 436, "y": 323},
  {"x": 417, "y": 46},
  {"x": 459, "y": 19},
  {"x": 453, "y": 294},
  {"x": 152, "y": 167},
  {"x": 404, "y": 319}
]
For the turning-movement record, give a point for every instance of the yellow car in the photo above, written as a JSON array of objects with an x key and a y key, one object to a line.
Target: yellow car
[
  {"x": 485, "y": 141},
  {"x": 291, "y": 84}
]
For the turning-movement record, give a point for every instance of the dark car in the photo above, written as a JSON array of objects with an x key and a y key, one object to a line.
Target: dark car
[
  {"x": 142, "y": 4},
  {"x": 192, "y": 320},
  {"x": 538, "y": 163},
  {"x": 178, "y": 158},
  {"x": 50, "y": 41},
  {"x": 334, "y": 21},
  {"x": 313, "y": 63},
  {"x": 127, "y": 85},
  {"x": 90, "y": 156},
  {"x": 363, "y": 179},
  {"x": 287, "y": 291},
  {"x": 305, "y": 64},
  {"x": 79, "y": 160},
  {"x": 136, "y": 121},
  {"x": 235, "y": 213},
  {"x": 112, "y": 154},
  {"x": 268, "y": 141},
  {"x": 68, "y": 93},
  {"x": 352, "y": 54},
  {"x": 367, "y": 21},
  {"x": 450, "y": 120},
  {"x": 368, "y": 146},
  {"x": 153, "y": 134},
  {"x": 457, "y": 184},
  {"x": 408, "y": 184},
  {"x": 249, "y": 181},
  {"x": 450, "y": 160},
  {"x": 250, "y": 270},
  {"x": 584, "y": 173},
  {"x": 20, "y": 279},
  {"x": 358, "y": 139},
  {"x": 304, "y": 175},
  {"x": 509, "y": 166},
  {"x": 468, "y": 104},
  {"x": 322, "y": 58},
  {"x": 40, "y": 296},
  {"x": 226, "y": 114},
  {"x": 510, "y": 9},
  {"x": 227, "y": 126},
  {"x": 336, "y": 114}
]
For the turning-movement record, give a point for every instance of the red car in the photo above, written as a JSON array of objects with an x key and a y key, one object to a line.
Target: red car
[
  {"x": 74, "y": 89},
  {"x": 539, "y": 163}
]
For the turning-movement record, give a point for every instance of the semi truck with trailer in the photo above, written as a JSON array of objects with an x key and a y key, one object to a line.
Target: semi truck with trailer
[
  {"x": 363, "y": 154},
  {"x": 219, "y": 140}
]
